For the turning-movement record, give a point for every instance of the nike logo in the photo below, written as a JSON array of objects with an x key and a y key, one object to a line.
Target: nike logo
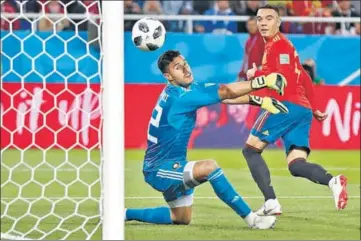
[{"x": 265, "y": 212}]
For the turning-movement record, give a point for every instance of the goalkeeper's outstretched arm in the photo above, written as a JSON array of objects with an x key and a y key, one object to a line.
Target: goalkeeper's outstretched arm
[
  {"x": 273, "y": 81},
  {"x": 271, "y": 105}
]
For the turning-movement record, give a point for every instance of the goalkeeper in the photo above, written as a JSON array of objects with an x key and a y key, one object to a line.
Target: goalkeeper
[
  {"x": 294, "y": 128},
  {"x": 166, "y": 168}
]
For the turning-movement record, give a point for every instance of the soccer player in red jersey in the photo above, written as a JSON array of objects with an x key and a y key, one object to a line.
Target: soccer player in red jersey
[{"x": 294, "y": 128}]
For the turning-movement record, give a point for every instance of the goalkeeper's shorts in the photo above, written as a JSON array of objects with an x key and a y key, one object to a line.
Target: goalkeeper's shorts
[
  {"x": 171, "y": 179},
  {"x": 293, "y": 128}
]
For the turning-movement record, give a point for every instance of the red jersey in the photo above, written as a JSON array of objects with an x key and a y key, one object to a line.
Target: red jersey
[
  {"x": 5, "y": 24},
  {"x": 281, "y": 57},
  {"x": 253, "y": 53}
]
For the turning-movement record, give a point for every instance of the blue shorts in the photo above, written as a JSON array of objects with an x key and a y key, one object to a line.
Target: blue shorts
[
  {"x": 293, "y": 128},
  {"x": 171, "y": 179}
]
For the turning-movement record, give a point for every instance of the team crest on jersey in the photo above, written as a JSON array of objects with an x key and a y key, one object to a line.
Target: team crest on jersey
[
  {"x": 284, "y": 59},
  {"x": 176, "y": 165}
]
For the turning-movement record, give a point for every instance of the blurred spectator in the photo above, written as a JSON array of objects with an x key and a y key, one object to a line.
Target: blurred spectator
[
  {"x": 355, "y": 5},
  {"x": 130, "y": 7},
  {"x": 202, "y": 6},
  {"x": 344, "y": 10},
  {"x": 76, "y": 7},
  {"x": 46, "y": 23},
  {"x": 284, "y": 3},
  {"x": 152, "y": 7},
  {"x": 329, "y": 3},
  {"x": 287, "y": 27},
  {"x": 253, "y": 50},
  {"x": 8, "y": 23},
  {"x": 305, "y": 8},
  {"x": 174, "y": 7},
  {"x": 250, "y": 10},
  {"x": 310, "y": 66},
  {"x": 184, "y": 7},
  {"x": 140, "y": 3},
  {"x": 30, "y": 6},
  {"x": 182, "y": 25},
  {"x": 324, "y": 28},
  {"x": 94, "y": 8},
  {"x": 356, "y": 30},
  {"x": 238, "y": 7},
  {"x": 221, "y": 8}
]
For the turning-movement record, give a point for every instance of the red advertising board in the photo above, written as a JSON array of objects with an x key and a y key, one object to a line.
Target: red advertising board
[
  {"x": 341, "y": 130},
  {"x": 48, "y": 116},
  {"x": 70, "y": 116}
]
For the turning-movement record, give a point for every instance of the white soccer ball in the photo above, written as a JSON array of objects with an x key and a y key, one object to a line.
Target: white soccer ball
[{"x": 148, "y": 34}]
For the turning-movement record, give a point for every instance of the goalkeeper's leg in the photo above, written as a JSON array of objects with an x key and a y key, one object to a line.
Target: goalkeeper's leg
[
  {"x": 180, "y": 198},
  {"x": 169, "y": 180}
]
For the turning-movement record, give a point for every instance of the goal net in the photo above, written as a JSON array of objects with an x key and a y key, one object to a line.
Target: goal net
[{"x": 51, "y": 120}]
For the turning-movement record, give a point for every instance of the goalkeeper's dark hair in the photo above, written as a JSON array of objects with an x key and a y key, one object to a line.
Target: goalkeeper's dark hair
[
  {"x": 166, "y": 58},
  {"x": 270, "y": 6}
]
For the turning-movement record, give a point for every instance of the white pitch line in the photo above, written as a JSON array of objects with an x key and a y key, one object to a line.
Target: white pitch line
[
  {"x": 254, "y": 197},
  {"x": 350, "y": 78},
  {"x": 159, "y": 197},
  {"x": 130, "y": 169},
  {"x": 12, "y": 237}
]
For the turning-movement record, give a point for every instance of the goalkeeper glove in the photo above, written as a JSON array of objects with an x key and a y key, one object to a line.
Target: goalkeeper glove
[
  {"x": 274, "y": 81},
  {"x": 269, "y": 104}
]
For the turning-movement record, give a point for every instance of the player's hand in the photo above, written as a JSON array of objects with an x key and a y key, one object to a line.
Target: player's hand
[
  {"x": 269, "y": 104},
  {"x": 273, "y": 81},
  {"x": 320, "y": 116},
  {"x": 251, "y": 72}
]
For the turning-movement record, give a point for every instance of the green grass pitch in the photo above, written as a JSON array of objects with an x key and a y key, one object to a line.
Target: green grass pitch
[{"x": 309, "y": 211}]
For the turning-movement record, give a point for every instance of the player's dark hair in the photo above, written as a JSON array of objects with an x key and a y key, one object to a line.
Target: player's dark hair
[
  {"x": 309, "y": 70},
  {"x": 269, "y": 6},
  {"x": 166, "y": 58}
]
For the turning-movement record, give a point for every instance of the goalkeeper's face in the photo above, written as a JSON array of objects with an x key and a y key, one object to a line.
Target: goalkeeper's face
[
  {"x": 268, "y": 22},
  {"x": 179, "y": 72}
]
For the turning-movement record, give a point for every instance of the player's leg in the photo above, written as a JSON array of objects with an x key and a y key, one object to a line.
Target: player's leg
[
  {"x": 178, "y": 211},
  {"x": 156, "y": 215},
  {"x": 208, "y": 170},
  {"x": 297, "y": 149},
  {"x": 267, "y": 129}
]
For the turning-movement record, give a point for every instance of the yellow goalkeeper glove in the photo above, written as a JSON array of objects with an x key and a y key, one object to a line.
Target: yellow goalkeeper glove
[
  {"x": 274, "y": 81},
  {"x": 269, "y": 104}
]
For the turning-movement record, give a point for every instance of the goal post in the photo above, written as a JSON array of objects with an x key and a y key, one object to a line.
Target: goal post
[
  {"x": 113, "y": 99},
  {"x": 62, "y": 123}
]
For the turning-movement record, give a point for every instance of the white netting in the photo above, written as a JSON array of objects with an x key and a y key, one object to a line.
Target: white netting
[{"x": 50, "y": 125}]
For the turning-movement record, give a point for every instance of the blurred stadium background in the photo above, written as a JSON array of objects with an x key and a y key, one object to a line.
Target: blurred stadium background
[{"x": 51, "y": 118}]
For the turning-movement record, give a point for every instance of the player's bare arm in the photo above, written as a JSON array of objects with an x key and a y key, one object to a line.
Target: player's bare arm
[
  {"x": 234, "y": 90},
  {"x": 270, "y": 104}
]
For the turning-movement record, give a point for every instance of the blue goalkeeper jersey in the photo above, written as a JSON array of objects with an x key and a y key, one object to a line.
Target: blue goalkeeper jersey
[{"x": 173, "y": 120}]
